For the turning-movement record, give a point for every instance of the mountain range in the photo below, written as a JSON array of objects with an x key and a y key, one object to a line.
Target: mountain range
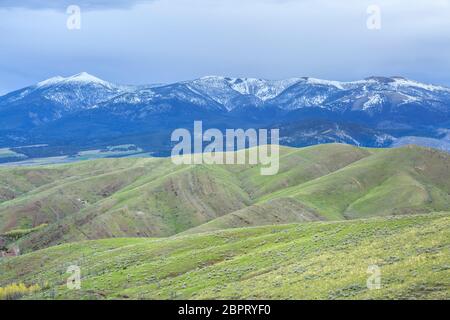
[{"x": 66, "y": 115}]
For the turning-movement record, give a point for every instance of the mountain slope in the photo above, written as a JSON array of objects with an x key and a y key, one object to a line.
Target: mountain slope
[
  {"x": 390, "y": 182},
  {"x": 298, "y": 261},
  {"x": 272, "y": 212}
]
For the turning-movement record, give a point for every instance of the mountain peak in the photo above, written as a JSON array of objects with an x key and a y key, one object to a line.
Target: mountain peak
[
  {"x": 80, "y": 78},
  {"x": 85, "y": 78}
]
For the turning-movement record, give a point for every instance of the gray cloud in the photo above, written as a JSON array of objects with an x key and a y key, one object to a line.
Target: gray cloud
[{"x": 172, "y": 40}]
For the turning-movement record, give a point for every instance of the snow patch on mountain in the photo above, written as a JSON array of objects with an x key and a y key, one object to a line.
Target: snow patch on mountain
[
  {"x": 84, "y": 77},
  {"x": 402, "y": 82},
  {"x": 373, "y": 101},
  {"x": 50, "y": 81},
  {"x": 337, "y": 84},
  {"x": 343, "y": 136},
  {"x": 262, "y": 89}
]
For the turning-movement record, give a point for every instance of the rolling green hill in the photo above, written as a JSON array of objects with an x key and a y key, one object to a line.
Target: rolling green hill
[
  {"x": 390, "y": 182},
  {"x": 318, "y": 260},
  {"x": 155, "y": 198}
]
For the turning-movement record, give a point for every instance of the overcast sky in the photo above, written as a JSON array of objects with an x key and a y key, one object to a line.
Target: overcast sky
[{"x": 138, "y": 42}]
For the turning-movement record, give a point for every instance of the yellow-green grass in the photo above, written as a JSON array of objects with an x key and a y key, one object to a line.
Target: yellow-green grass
[{"x": 318, "y": 260}]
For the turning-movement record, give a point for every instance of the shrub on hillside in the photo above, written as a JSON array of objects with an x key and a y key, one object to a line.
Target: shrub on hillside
[{"x": 15, "y": 291}]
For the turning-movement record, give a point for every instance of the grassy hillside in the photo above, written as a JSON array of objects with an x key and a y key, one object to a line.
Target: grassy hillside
[
  {"x": 389, "y": 182},
  {"x": 272, "y": 212},
  {"x": 155, "y": 198},
  {"x": 318, "y": 260}
]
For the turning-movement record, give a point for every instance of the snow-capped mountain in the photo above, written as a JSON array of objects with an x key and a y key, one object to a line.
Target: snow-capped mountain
[
  {"x": 83, "y": 109},
  {"x": 75, "y": 92},
  {"x": 372, "y": 95}
]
